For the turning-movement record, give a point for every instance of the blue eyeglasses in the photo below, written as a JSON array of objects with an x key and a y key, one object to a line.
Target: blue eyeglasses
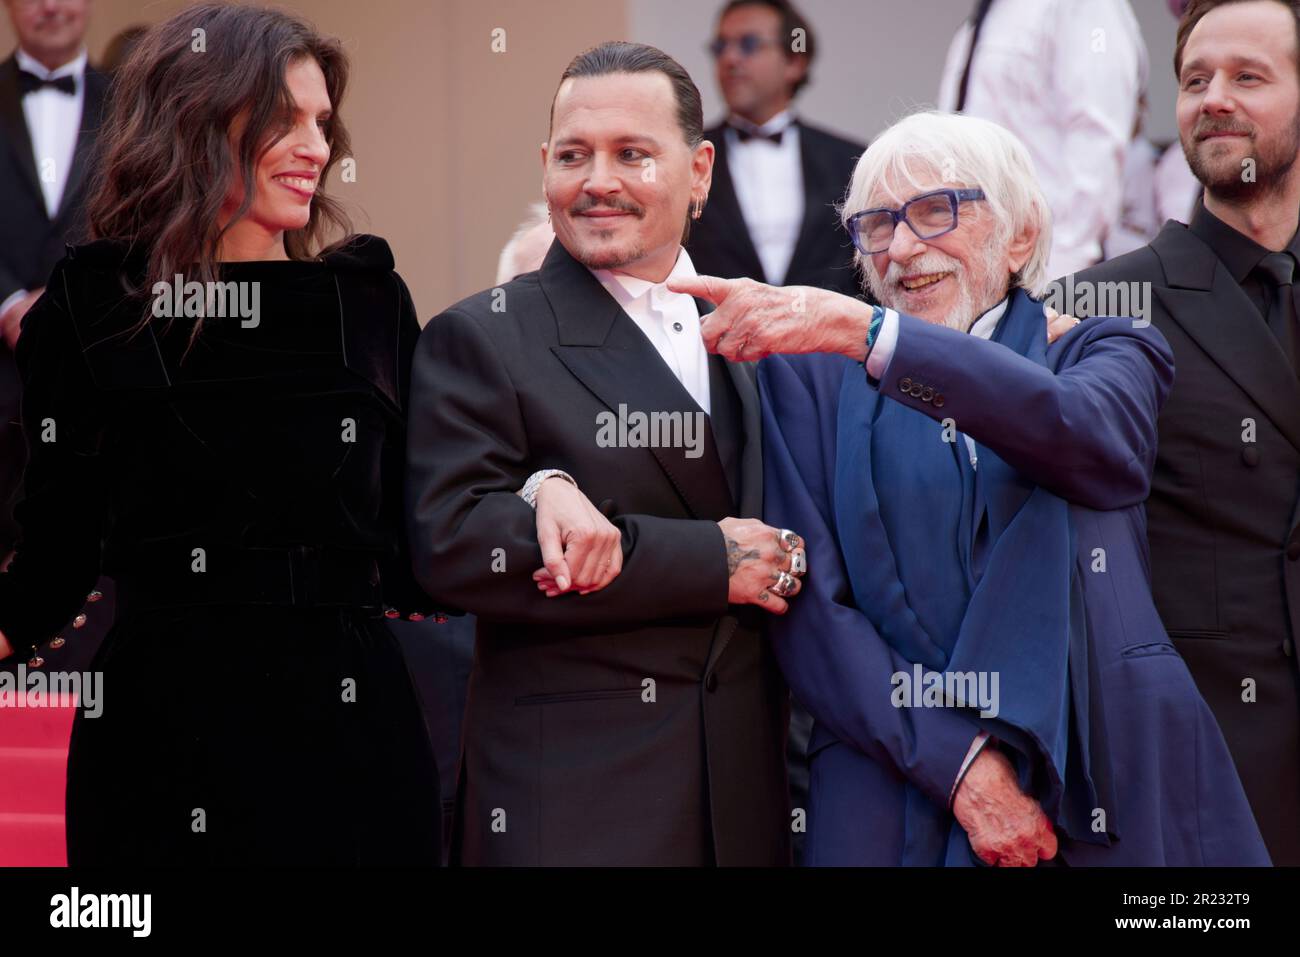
[
  {"x": 748, "y": 44},
  {"x": 929, "y": 216}
]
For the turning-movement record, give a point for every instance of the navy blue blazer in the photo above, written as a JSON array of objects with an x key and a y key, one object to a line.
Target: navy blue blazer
[{"x": 1083, "y": 428}]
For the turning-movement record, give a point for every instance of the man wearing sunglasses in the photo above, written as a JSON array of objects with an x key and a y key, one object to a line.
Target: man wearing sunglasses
[
  {"x": 776, "y": 180},
  {"x": 976, "y": 640}
]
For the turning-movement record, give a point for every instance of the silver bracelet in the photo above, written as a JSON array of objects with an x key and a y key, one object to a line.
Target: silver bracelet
[{"x": 529, "y": 492}]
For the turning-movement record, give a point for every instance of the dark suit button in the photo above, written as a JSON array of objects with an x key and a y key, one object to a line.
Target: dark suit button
[
  {"x": 938, "y": 400},
  {"x": 916, "y": 390},
  {"x": 905, "y": 384},
  {"x": 1288, "y": 648},
  {"x": 927, "y": 394},
  {"x": 1250, "y": 455},
  {"x": 711, "y": 682},
  {"x": 1293, "y": 550}
]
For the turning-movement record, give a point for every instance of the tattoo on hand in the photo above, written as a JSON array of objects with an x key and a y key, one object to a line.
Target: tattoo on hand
[{"x": 735, "y": 556}]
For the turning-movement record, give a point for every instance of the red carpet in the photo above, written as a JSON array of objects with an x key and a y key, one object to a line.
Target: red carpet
[{"x": 33, "y": 773}]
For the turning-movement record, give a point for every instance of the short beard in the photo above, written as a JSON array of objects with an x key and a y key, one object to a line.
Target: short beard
[
  {"x": 1274, "y": 159},
  {"x": 609, "y": 258},
  {"x": 971, "y": 302}
]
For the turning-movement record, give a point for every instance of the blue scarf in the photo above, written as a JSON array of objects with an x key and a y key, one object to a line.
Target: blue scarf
[{"x": 1024, "y": 619}]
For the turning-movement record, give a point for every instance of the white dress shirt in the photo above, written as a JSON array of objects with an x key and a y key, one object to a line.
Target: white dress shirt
[
  {"x": 1064, "y": 76},
  {"x": 53, "y": 123},
  {"x": 768, "y": 179},
  {"x": 670, "y": 320},
  {"x": 887, "y": 341}
]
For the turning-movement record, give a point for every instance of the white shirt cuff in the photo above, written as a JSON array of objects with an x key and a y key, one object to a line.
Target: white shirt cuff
[{"x": 883, "y": 350}]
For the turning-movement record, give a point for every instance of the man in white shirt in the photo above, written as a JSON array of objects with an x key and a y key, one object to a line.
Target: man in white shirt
[
  {"x": 50, "y": 108},
  {"x": 776, "y": 179},
  {"x": 1064, "y": 76},
  {"x": 624, "y": 707}
]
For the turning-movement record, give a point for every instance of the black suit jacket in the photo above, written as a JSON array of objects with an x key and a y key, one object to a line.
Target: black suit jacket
[
  {"x": 719, "y": 241},
  {"x": 1224, "y": 514},
  {"x": 641, "y": 724},
  {"x": 30, "y": 244}
]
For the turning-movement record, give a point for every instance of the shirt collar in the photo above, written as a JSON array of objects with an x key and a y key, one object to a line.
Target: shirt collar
[
  {"x": 985, "y": 324},
  {"x": 776, "y": 124},
  {"x": 29, "y": 64},
  {"x": 1235, "y": 250},
  {"x": 626, "y": 289}
]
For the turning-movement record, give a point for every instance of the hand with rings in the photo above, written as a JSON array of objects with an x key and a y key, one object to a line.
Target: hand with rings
[{"x": 765, "y": 565}]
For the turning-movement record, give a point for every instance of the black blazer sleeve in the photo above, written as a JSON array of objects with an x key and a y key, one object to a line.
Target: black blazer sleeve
[
  {"x": 475, "y": 541},
  {"x": 62, "y": 515},
  {"x": 397, "y": 582}
]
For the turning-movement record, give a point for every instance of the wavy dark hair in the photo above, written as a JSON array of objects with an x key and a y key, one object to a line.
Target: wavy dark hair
[{"x": 165, "y": 164}]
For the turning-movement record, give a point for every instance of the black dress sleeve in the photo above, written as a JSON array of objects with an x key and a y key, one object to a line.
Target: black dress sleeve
[
  {"x": 63, "y": 512},
  {"x": 400, "y": 590}
]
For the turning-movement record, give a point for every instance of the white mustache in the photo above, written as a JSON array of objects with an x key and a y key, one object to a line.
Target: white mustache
[{"x": 930, "y": 262}]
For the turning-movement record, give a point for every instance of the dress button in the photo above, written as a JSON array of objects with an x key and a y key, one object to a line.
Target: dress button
[
  {"x": 927, "y": 394},
  {"x": 1250, "y": 455},
  {"x": 79, "y": 621},
  {"x": 938, "y": 400},
  {"x": 905, "y": 384},
  {"x": 677, "y": 327},
  {"x": 711, "y": 682},
  {"x": 57, "y": 641},
  {"x": 1293, "y": 550},
  {"x": 95, "y": 596},
  {"x": 916, "y": 390}
]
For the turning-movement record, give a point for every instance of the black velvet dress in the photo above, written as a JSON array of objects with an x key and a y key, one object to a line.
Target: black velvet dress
[{"x": 247, "y": 499}]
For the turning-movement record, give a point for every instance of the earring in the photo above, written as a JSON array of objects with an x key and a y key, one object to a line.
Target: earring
[{"x": 697, "y": 209}]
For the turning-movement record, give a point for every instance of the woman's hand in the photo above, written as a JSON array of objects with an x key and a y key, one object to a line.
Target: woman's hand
[{"x": 582, "y": 549}]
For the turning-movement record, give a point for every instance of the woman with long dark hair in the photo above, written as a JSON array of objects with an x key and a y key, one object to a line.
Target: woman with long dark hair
[{"x": 215, "y": 405}]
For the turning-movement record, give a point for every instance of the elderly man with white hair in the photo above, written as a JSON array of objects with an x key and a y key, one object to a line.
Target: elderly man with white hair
[{"x": 976, "y": 638}]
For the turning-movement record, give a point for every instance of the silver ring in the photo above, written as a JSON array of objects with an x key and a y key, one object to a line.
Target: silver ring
[
  {"x": 798, "y": 562},
  {"x": 785, "y": 584},
  {"x": 789, "y": 540}
]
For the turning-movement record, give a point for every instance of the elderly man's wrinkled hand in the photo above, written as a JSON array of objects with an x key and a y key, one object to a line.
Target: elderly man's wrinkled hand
[
  {"x": 754, "y": 320},
  {"x": 1006, "y": 827}
]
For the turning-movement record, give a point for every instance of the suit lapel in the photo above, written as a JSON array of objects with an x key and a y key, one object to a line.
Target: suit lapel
[
  {"x": 722, "y": 197},
  {"x": 1205, "y": 301},
  {"x": 91, "y": 110},
  {"x": 605, "y": 350},
  {"x": 13, "y": 126},
  {"x": 816, "y": 217}
]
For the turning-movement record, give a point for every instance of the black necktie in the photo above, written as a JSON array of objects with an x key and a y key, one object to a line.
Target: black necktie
[
  {"x": 747, "y": 135},
  {"x": 1278, "y": 270},
  {"x": 977, "y": 21},
  {"x": 30, "y": 83}
]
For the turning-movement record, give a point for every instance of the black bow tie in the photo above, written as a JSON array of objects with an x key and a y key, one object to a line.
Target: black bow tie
[
  {"x": 30, "y": 83},
  {"x": 747, "y": 135}
]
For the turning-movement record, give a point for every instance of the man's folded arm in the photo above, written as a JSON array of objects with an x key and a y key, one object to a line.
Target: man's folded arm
[
  {"x": 835, "y": 662},
  {"x": 1087, "y": 434},
  {"x": 474, "y": 541}
]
